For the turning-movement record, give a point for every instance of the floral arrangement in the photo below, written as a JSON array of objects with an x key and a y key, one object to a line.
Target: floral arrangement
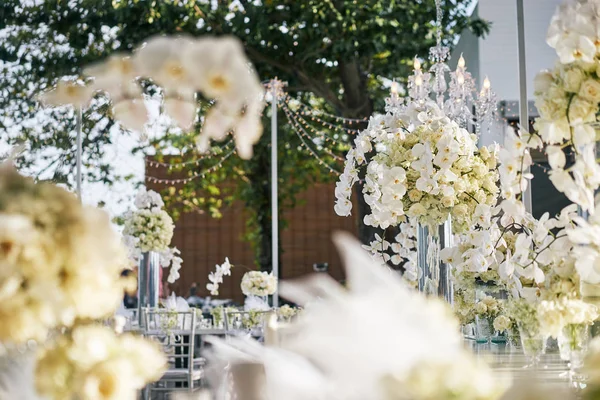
[
  {"x": 507, "y": 244},
  {"x": 568, "y": 99},
  {"x": 525, "y": 315},
  {"x": 502, "y": 323},
  {"x": 586, "y": 252},
  {"x": 258, "y": 283},
  {"x": 425, "y": 167},
  {"x": 181, "y": 66},
  {"x": 556, "y": 315},
  {"x": 55, "y": 252},
  {"x": 90, "y": 362},
  {"x": 464, "y": 305},
  {"x": 150, "y": 228},
  {"x": 288, "y": 312},
  {"x": 216, "y": 278},
  {"x": 402, "y": 252},
  {"x": 488, "y": 308}
]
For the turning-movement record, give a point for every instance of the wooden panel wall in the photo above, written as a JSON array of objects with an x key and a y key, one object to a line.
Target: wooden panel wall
[{"x": 206, "y": 241}]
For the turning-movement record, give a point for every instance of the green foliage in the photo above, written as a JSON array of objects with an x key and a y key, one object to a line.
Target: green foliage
[{"x": 334, "y": 54}]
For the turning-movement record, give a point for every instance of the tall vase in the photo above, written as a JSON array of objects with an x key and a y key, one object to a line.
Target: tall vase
[
  {"x": 436, "y": 276},
  {"x": 590, "y": 293},
  {"x": 148, "y": 282}
]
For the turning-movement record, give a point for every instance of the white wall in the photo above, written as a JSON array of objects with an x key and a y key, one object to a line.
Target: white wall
[{"x": 498, "y": 52}]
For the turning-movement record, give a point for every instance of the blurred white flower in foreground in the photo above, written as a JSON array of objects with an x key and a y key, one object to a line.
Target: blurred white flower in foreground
[
  {"x": 67, "y": 93},
  {"x": 361, "y": 342},
  {"x": 182, "y": 66}
]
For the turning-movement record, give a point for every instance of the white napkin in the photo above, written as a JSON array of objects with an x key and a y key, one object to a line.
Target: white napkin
[{"x": 174, "y": 303}]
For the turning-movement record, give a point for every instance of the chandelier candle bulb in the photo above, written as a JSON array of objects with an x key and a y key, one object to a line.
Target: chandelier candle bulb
[
  {"x": 461, "y": 63},
  {"x": 417, "y": 64}
]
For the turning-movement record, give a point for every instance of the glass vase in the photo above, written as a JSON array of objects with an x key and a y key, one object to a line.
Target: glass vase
[
  {"x": 513, "y": 339},
  {"x": 436, "y": 276},
  {"x": 590, "y": 293},
  {"x": 148, "y": 283},
  {"x": 533, "y": 343},
  {"x": 484, "y": 329},
  {"x": 573, "y": 344}
]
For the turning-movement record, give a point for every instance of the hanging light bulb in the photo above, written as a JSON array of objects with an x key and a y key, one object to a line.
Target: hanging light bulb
[
  {"x": 394, "y": 88},
  {"x": 460, "y": 78},
  {"x": 418, "y": 80}
]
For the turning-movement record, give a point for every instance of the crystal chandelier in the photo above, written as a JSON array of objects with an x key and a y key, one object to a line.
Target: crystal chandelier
[{"x": 459, "y": 100}]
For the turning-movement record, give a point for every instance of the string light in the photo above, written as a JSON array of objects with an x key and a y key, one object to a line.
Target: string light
[
  {"x": 197, "y": 161},
  {"x": 202, "y": 174},
  {"x": 319, "y": 134},
  {"x": 326, "y": 114},
  {"x": 303, "y": 133},
  {"x": 328, "y": 124},
  {"x": 308, "y": 148}
]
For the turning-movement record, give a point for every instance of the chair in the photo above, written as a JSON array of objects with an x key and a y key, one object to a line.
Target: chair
[{"x": 176, "y": 333}]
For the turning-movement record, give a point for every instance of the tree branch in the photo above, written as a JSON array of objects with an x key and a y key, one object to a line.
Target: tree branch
[{"x": 319, "y": 87}]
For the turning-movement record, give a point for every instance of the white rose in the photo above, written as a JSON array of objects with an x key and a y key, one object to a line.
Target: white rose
[
  {"x": 501, "y": 323},
  {"x": 572, "y": 79},
  {"x": 590, "y": 90},
  {"x": 448, "y": 201},
  {"x": 460, "y": 211},
  {"x": 484, "y": 153},
  {"x": 416, "y": 210},
  {"x": 552, "y": 108},
  {"x": 542, "y": 81},
  {"x": 480, "y": 308},
  {"x": 581, "y": 110},
  {"x": 415, "y": 195}
]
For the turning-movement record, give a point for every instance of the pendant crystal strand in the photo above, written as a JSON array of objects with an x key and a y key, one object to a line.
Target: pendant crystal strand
[
  {"x": 438, "y": 56},
  {"x": 433, "y": 261}
]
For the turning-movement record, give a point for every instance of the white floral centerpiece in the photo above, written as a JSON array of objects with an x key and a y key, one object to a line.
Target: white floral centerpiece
[
  {"x": 507, "y": 243},
  {"x": 150, "y": 229},
  {"x": 113, "y": 370},
  {"x": 61, "y": 266},
  {"x": 568, "y": 99},
  {"x": 554, "y": 316},
  {"x": 425, "y": 167},
  {"x": 258, "y": 283}
]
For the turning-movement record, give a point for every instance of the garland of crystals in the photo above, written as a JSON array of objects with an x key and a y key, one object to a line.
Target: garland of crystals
[{"x": 433, "y": 260}]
